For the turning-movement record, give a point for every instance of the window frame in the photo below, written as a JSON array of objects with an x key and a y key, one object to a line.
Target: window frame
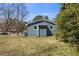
[
  {"x": 34, "y": 27},
  {"x": 52, "y": 27}
]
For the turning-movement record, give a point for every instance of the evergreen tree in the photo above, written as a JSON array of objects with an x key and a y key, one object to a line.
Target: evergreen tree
[
  {"x": 46, "y": 18},
  {"x": 67, "y": 22},
  {"x": 37, "y": 18}
]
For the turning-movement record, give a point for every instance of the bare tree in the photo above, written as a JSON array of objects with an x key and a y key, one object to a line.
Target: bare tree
[
  {"x": 21, "y": 11},
  {"x": 6, "y": 13},
  {"x": 9, "y": 11}
]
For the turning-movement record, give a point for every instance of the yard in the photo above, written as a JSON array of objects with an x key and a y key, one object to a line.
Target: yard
[{"x": 34, "y": 46}]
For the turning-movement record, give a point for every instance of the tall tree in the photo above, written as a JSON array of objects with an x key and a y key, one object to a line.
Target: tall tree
[
  {"x": 17, "y": 11},
  {"x": 67, "y": 22},
  {"x": 21, "y": 13},
  {"x": 46, "y": 18},
  {"x": 6, "y": 13},
  {"x": 37, "y": 18}
]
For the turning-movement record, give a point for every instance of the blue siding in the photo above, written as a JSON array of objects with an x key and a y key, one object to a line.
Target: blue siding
[
  {"x": 51, "y": 30},
  {"x": 43, "y": 32},
  {"x": 32, "y": 32}
]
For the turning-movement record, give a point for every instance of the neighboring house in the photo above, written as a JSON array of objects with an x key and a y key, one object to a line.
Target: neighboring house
[
  {"x": 40, "y": 28},
  {"x": 11, "y": 28}
]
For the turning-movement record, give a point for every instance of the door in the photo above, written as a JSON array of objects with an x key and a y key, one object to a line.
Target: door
[{"x": 43, "y": 31}]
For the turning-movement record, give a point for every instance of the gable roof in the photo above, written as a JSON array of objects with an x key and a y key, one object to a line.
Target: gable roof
[{"x": 40, "y": 22}]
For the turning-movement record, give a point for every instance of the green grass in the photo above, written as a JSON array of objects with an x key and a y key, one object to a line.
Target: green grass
[{"x": 34, "y": 46}]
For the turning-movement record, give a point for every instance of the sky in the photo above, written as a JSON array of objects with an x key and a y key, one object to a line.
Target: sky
[{"x": 48, "y": 9}]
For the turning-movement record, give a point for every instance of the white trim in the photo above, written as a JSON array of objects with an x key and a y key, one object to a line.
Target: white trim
[
  {"x": 52, "y": 27},
  {"x": 37, "y": 27}
]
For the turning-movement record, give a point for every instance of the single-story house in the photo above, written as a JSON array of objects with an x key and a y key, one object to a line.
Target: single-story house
[
  {"x": 11, "y": 28},
  {"x": 40, "y": 28}
]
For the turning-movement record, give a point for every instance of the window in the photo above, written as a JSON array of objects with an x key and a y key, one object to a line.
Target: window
[
  {"x": 51, "y": 27},
  {"x": 42, "y": 27},
  {"x": 35, "y": 27}
]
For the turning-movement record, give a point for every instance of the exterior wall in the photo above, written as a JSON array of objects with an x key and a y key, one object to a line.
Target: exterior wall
[
  {"x": 35, "y": 32},
  {"x": 52, "y": 30},
  {"x": 43, "y": 32},
  {"x": 32, "y": 32}
]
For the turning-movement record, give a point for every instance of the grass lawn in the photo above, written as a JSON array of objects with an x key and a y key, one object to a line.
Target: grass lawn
[{"x": 34, "y": 46}]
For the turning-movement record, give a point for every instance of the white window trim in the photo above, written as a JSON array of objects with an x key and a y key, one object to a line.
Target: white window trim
[
  {"x": 52, "y": 28},
  {"x": 37, "y": 27}
]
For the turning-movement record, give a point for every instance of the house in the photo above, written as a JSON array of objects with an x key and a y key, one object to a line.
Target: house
[
  {"x": 40, "y": 28},
  {"x": 11, "y": 28}
]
